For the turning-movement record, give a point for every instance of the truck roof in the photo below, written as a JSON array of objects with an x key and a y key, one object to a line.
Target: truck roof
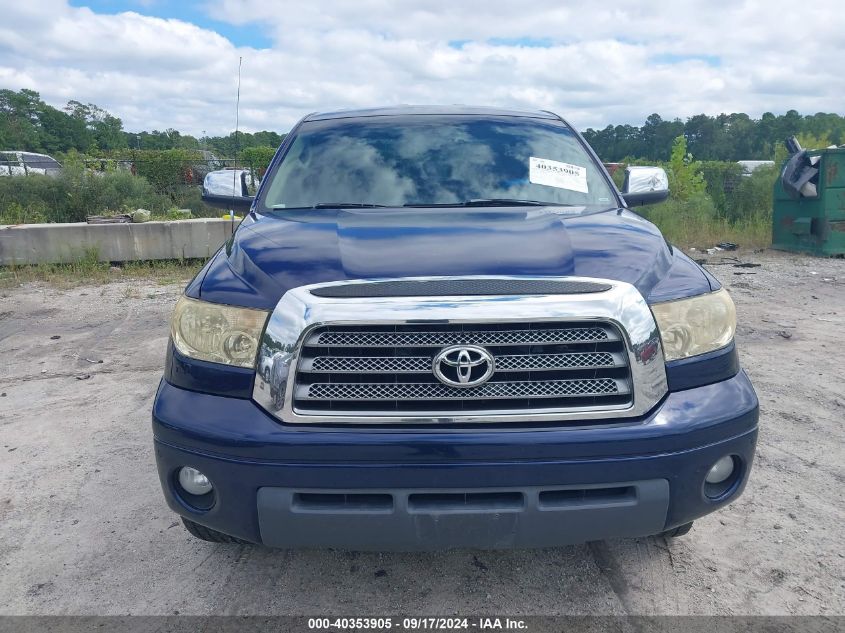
[
  {"x": 429, "y": 110},
  {"x": 23, "y": 151}
]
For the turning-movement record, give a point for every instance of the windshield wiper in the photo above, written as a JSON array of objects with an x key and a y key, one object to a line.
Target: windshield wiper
[
  {"x": 511, "y": 202},
  {"x": 332, "y": 205},
  {"x": 494, "y": 202},
  {"x": 348, "y": 205}
]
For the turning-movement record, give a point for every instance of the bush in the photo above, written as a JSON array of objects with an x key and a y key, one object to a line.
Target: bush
[
  {"x": 191, "y": 198},
  {"x": 721, "y": 178},
  {"x": 713, "y": 202},
  {"x": 697, "y": 222},
  {"x": 681, "y": 221},
  {"x": 168, "y": 170},
  {"x": 753, "y": 195},
  {"x": 75, "y": 194},
  {"x": 685, "y": 179},
  {"x": 258, "y": 158}
]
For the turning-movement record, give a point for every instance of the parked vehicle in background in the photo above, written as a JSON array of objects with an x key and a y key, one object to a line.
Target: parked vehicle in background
[
  {"x": 443, "y": 327},
  {"x": 750, "y": 166},
  {"x": 14, "y": 163},
  {"x": 197, "y": 171},
  {"x": 226, "y": 183}
]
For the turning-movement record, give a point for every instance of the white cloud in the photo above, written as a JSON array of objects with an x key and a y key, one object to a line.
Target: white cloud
[{"x": 613, "y": 63}]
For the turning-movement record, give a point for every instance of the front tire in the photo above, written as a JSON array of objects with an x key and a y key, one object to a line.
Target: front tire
[
  {"x": 678, "y": 531},
  {"x": 212, "y": 536}
]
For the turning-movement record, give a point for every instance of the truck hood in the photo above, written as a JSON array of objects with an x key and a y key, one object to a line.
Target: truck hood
[{"x": 268, "y": 255}]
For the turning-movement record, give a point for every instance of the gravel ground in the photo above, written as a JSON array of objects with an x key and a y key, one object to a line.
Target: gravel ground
[{"x": 84, "y": 529}]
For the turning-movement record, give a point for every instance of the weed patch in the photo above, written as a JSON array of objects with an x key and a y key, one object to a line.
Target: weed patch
[{"x": 88, "y": 271}]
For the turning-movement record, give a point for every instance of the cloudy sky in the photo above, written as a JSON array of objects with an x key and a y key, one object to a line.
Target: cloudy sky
[{"x": 159, "y": 64}]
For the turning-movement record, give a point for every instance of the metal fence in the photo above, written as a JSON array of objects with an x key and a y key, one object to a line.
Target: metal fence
[
  {"x": 109, "y": 186},
  {"x": 182, "y": 181}
]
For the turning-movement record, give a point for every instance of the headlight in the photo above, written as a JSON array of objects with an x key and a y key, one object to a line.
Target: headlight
[
  {"x": 696, "y": 325},
  {"x": 217, "y": 333}
]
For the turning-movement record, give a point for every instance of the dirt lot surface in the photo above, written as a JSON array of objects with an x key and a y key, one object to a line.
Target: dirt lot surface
[{"x": 84, "y": 528}]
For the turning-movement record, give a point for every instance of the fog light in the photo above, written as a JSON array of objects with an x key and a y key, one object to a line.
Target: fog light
[
  {"x": 193, "y": 481},
  {"x": 721, "y": 470}
]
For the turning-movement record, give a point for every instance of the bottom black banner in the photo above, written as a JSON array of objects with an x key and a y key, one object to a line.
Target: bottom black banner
[{"x": 525, "y": 624}]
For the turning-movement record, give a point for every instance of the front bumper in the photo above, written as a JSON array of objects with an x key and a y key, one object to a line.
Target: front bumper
[{"x": 493, "y": 487}]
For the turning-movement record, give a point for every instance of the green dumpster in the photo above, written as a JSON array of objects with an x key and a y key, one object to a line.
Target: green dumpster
[{"x": 814, "y": 224}]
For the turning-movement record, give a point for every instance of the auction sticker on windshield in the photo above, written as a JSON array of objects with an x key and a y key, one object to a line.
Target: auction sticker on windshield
[{"x": 552, "y": 173}]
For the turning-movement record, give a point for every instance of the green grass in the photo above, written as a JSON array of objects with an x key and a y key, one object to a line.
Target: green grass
[
  {"x": 88, "y": 271},
  {"x": 77, "y": 193},
  {"x": 707, "y": 232},
  {"x": 692, "y": 223}
]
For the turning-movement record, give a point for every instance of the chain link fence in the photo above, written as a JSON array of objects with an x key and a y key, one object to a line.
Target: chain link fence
[{"x": 161, "y": 184}]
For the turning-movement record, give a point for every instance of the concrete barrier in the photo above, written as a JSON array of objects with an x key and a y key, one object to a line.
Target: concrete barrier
[{"x": 64, "y": 243}]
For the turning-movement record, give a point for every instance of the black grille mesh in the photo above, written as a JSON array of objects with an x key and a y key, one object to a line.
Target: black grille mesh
[{"x": 383, "y": 369}]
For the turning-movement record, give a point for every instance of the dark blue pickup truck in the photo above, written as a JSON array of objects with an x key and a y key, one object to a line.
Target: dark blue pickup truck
[{"x": 443, "y": 327}]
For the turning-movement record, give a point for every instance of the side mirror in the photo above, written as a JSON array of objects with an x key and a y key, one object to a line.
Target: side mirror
[
  {"x": 228, "y": 203},
  {"x": 645, "y": 185}
]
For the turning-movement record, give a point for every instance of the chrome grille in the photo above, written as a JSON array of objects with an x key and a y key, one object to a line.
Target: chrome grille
[
  {"x": 469, "y": 337},
  {"x": 414, "y": 364},
  {"x": 543, "y": 366},
  {"x": 491, "y": 390}
]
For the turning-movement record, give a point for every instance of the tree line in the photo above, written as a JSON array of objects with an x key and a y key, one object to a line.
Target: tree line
[
  {"x": 726, "y": 137},
  {"x": 28, "y": 123}
]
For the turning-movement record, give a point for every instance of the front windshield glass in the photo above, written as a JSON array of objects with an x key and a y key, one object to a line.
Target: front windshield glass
[{"x": 435, "y": 160}]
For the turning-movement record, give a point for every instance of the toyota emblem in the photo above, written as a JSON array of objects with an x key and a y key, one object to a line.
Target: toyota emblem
[{"x": 463, "y": 366}]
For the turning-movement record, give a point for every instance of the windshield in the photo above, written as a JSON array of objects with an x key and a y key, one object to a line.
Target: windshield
[
  {"x": 435, "y": 160},
  {"x": 39, "y": 161}
]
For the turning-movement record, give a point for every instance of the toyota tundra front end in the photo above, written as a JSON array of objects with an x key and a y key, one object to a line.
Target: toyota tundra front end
[{"x": 441, "y": 328}]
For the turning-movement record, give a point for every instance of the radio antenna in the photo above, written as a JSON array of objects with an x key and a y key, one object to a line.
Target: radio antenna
[
  {"x": 238, "y": 103},
  {"x": 237, "y": 145}
]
